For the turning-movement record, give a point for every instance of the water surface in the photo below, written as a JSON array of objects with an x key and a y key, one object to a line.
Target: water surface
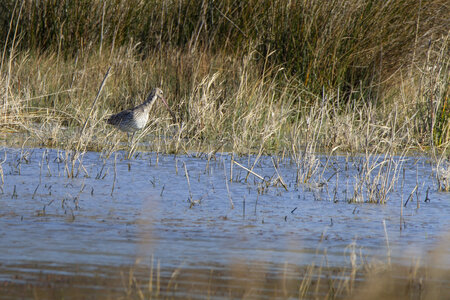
[{"x": 116, "y": 212}]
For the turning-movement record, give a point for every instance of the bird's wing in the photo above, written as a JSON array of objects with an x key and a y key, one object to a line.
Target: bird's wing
[{"x": 120, "y": 117}]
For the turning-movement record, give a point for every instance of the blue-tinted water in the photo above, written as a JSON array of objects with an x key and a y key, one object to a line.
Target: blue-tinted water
[{"x": 117, "y": 211}]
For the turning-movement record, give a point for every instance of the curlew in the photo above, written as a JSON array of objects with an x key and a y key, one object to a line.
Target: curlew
[{"x": 134, "y": 119}]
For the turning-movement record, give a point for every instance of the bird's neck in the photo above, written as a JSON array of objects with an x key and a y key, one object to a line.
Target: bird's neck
[
  {"x": 147, "y": 103},
  {"x": 151, "y": 97}
]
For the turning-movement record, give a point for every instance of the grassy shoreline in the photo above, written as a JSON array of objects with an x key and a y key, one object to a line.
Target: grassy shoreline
[{"x": 230, "y": 105}]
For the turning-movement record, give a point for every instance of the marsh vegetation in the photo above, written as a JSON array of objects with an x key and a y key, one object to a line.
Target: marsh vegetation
[
  {"x": 319, "y": 128},
  {"x": 246, "y": 75}
]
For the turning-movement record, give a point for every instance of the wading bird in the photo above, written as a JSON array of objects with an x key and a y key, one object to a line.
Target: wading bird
[{"x": 134, "y": 119}]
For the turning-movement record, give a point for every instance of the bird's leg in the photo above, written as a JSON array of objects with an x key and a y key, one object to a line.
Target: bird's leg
[{"x": 131, "y": 145}]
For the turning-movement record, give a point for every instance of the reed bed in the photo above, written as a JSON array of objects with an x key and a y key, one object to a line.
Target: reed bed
[
  {"x": 245, "y": 76},
  {"x": 244, "y": 116}
]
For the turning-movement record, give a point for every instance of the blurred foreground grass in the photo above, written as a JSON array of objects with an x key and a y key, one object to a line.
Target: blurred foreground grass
[{"x": 241, "y": 280}]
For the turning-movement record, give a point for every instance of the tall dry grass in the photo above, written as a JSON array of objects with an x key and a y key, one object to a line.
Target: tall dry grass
[{"x": 333, "y": 43}]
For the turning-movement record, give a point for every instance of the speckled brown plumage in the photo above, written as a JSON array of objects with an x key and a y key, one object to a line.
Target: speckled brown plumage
[{"x": 132, "y": 120}]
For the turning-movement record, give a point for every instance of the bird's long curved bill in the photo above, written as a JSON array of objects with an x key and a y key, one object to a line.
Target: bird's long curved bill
[{"x": 168, "y": 108}]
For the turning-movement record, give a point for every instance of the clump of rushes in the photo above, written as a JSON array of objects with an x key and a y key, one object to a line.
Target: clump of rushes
[{"x": 241, "y": 76}]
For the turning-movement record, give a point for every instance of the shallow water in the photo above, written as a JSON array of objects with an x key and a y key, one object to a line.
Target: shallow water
[{"x": 116, "y": 212}]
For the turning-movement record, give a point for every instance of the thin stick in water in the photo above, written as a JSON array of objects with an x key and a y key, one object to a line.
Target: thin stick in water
[
  {"x": 115, "y": 174},
  {"x": 248, "y": 170},
  {"x": 226, "y": 182},
  {"x": 189, "y": 183},
  {"x": 231, "y": 167}
]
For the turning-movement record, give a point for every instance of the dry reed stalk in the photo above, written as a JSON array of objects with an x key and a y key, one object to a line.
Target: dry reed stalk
[
  {"x": 254, "y": 163},
  {"x": 188, "y": 182},
  {"x": 1, "y": 170},
  {"x": 249, "y": 171},
  {"x": 231, "y": 166},
  {"x": 95, "y": 101},
  {"x": 279, "y": 178},
  {"x": 11, "y": 56},
  {"x": 226, "y": 183},
  {"x": 115, "y": 174}
]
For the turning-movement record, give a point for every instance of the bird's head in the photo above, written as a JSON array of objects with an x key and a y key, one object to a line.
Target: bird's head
[{"x": 158, "y": 93}]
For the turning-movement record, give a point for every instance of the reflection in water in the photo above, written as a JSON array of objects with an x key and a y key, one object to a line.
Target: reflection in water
[{"x": 49, "y": 220}]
